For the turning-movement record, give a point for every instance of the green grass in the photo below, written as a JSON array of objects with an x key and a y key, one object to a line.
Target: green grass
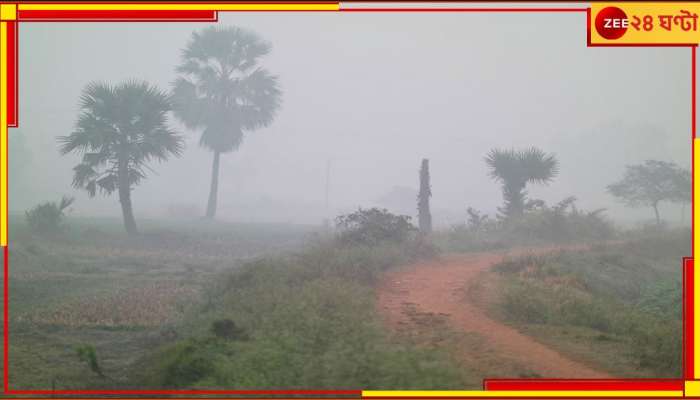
[
  {"x": 311, "y": 323},
  {"x": 622, "y": 301}
]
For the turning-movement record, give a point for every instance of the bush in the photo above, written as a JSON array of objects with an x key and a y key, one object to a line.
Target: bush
[
  {"x": 186, "y": 365},
  {"x": 48, "y": 217},
  {"x": 540, "y": 224},
  {"x": 373, "y": 226},
  {"x": 227, "y": 329},
  {"x": 560, "y": 223},
  {"x": 87, "y": 354}
]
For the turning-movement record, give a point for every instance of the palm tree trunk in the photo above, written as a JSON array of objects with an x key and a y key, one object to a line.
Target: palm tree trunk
[
  {"x": 125, "y": 200},
  {"x": 214, "y": 188}
]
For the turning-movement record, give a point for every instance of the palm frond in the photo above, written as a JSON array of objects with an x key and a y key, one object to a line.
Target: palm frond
[
  {"x": 127, "y": 121},
  {"x": 221, "y": 89}
]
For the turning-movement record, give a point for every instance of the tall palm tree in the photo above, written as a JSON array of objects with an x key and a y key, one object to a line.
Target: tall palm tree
[
  {"x": 120, "y": 130},
  {"x": 224, "y": 92},
  {"x": 515, "y": 169}
]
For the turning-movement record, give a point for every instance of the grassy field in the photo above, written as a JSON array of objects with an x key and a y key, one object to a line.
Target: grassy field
[
  {"x": 201, "y": 305},
  {"x": 617, "y": 307},
  {"x": 93, "y": 286},
  {"x": 192, "y": 304},
  {"x": 302, "y": 321}
]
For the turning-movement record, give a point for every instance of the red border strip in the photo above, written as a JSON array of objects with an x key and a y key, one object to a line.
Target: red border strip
[
  {"x": 12, "y": 73},
  {"x": 489, "y": 384},
  {"x": 116, "y": 15},
  {"x": 585, "y": 384}
]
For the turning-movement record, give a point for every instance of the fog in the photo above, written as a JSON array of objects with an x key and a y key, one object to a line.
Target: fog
[{"x": 365, "y": 98}]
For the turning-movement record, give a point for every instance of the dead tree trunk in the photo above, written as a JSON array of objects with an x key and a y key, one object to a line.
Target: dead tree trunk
[{"x": 425, "y": 221}]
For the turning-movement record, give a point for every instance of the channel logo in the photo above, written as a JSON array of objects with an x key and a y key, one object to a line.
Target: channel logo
[{"x": 611, "y": 23}]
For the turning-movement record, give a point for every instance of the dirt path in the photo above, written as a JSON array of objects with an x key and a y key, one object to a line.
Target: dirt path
[{"x": 438, "y": 288}]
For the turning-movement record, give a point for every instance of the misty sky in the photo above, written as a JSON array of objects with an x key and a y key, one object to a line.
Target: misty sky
[{"x": 375, "y": 93}]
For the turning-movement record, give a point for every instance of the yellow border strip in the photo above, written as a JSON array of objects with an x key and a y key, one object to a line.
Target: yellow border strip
[
  {"x": 197, "y": 6},
  {"x": 524, "y": 393},
  {"x": 3, "y": 133}
]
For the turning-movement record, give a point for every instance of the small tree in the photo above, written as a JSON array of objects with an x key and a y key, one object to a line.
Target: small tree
[
  {"x": 475, "y": 219},
  {"x": 515, "y": 169},
  {"x": 425, "y": 221},
  {"x": 48, "y": 217},
  {"x": 120, "y": 130},
  {"x": 652, "y": 182}
]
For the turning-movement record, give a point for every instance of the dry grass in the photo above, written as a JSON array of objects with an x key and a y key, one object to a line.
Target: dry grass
[{"x": 148, "y": 306}]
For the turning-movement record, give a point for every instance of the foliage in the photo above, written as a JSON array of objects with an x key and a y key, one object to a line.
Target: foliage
[
  {"x": 120, "y": 130},
  {"x": 87, "y": 354},
  {"x": 476, "y": 220},
  {"x": 373, "y": 226},
  {"x": 514, "y": 169},
  {"x": 223, "y": 91},
  {"x": 48, "y": 217},
  {"x": 664, "y": 298},
  {"x": 540, "y": 224},
  {"x": 652, "y": 182},
  {"x": 563, "y": 222},
  {"x": 185, "y": 365}
]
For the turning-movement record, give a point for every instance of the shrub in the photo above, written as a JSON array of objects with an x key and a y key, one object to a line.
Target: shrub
[
  {"x": 373, "y": 226},
  {"x": 539, "y": 224},
  {"x": 186, "y": 365},
  {"x": 476, "y": 220},
  {"x": 664, "y": 298},
  {"x": 227, "y": 329},
  {"x": 87, "y": 354},
  {"x": 659, "y": 346},
  {"x": 48, "y": 217},
  {"x": 563, "y": 222}
]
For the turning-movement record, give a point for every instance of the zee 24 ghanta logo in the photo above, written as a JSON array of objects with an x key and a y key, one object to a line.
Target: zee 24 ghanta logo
[{"x": 611, "y": 22}]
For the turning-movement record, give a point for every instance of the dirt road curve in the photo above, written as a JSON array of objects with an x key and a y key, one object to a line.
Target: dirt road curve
[{"x": 437, "y": 288}]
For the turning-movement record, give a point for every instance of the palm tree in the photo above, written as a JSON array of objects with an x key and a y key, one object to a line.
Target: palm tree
[
  {"x": 223, "y": 91},
  {"x": 515, "y": 169},
  {"x": 120, "y": 129}
]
